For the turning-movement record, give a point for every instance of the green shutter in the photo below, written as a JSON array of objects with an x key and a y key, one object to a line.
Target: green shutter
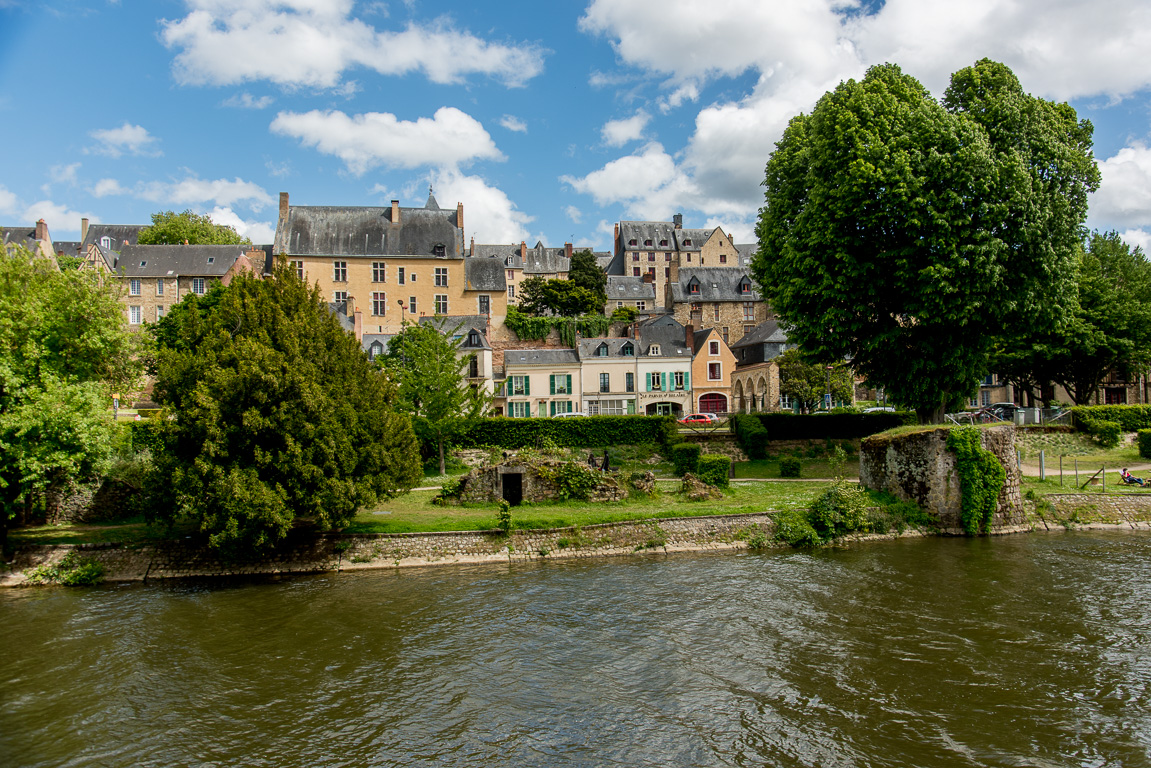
[
  {"x": 553, "y": 407},
  {"x": 543, "y": 409},
  {"x": 527, "y": 385},
  {"x": 631, "y": 407},
  {"x": 687, "y": 380},
  {"x": 569, "y": 379},
  {"x": 663, "y": 381},
  {"x": 552, "y": 383}
]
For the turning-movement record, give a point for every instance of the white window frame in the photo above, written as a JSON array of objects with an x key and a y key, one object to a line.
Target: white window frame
[
  {"x": 441, "y": 275},
  {"x": 339, "y": 271},
  {"x": 159, "y": 286},
  {"x": 135, "y": 314},
  {"x": 719, "y": 367},
  {"x": 134, "y": 286},
  {"x": 441, "y": 303},
  {"x": 379, "y": 272},
  {"x": 199, "y": 286}
]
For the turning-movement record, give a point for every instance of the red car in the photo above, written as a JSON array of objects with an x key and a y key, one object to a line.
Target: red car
[{"x": 695, "y": 418}]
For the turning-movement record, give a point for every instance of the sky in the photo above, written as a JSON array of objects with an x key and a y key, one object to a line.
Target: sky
[{"x": 548, "y": 121}]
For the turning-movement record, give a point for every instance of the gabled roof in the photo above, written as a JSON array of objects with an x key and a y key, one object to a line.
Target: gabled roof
[
  {"x": 25, "y": 236},
  {"x": 668, "y": 334},
  {"x": 715, "y": 284},
  {"x": 181, "y": 260},
  {"x": 461, "y": 326},
  {"x": 66, "y": 247},
  {"x": 501, "y": 252},
  {"x": 746, "y": 251},
  {"x": 623, "y": 288},
  {"x": 767, "y": 331},
  {"x": 692, "y": 239},
  {"x": 588, "y": 348},
  {"x": 118, "y": 235},
  {"x": 484, "y": 275},
  {"x": 545, "y": 261},
  {"x": 328, "y": 230},
  {"x": 563, "y": 357},
  {"x": 642, "y": 231}
]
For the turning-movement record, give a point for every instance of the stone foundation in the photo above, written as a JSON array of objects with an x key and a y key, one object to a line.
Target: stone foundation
[{"x": 919, "y": 467}]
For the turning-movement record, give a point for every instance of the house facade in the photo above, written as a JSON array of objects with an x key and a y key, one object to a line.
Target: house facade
[
  {"x": 608, "y": 375},
  {"x": 540, "y": 383},
  {"x": 712, "y": 365}
]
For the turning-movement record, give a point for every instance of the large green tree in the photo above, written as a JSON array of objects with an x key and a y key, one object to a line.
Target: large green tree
[
  {"x": 429, "y": 369},
  {"x": 273, "y": 415},
  {"x": 587, "y": 273},
  {"x": 559, "y": 297},
  {"x": 907, "y": 235},
  {"x": 170, "y": 228},
  {"x": 1110, "y": 329},
  {"x": 65, "y": 349},
  {"x": 806, "y": 383}
]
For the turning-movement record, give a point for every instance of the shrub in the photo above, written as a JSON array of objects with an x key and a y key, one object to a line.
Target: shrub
[
  {"x": 1131, "y": 418},
  {"x": 1144, "y": 437},
  {"x": 840, "y": 510},
  {"x": 981, "y": 478},
  {"x": 836, "y": 426},
  {"x": 1107, "y": 433},
  {"x": 714, "y": 469},
  {"x": 794, "y": 527},
  {"x": 751, "y": 435},
  {"x": 504, "y": 517},
  {"x": 72, "y": 571},
  {"x": 789, "y": 466},
  {"x": 685, "y": 458},
  {"x": 589, "y": 432}
]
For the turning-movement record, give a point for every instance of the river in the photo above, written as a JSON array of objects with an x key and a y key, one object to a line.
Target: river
[{"x": 1013, "y": 651}]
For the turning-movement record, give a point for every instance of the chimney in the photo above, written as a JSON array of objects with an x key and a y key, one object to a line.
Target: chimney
[
  {"x": 677, "y": 220},
  {"x": 648, "y": 278},
  {"x": 358, "y": 324},
  {"x": 460, "y": 216},
  {"x": 568, "y": 250},
  {"x": 83, "y": 229},
  {"x": 524, "y": 252},
  {"x": 689, "y": 333},
  {"x": 283, "y": 206},
  {"x": 615, "y": 238},
  {"x": 395, "y": 211},
  {"x": 472, "y": 247},
  {"x": 41, "y": 230}
]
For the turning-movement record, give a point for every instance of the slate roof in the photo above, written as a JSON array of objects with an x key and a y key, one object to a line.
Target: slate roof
[
  {"x": 483, "y": 274},
  {"x": 368, "y": 231},
  {"x": 767, "y": 331},
  {"x": 623, "y": 288},
  {"x": 746, "y": 251},
  {"x": 564, "y": 357},
  {"x": 505, "y": 253},
  {"x": 25, "y": 236},
  {"x": 384, "y": 339},
  {"x": 66, "y": 247},
  {"x": 588, "y": 347},
  {"x": 715, "y": 284},
  {"x": 604, "y": 260},
  {"x": 642, "y": 231},
  {"x": 183, "y": 260},
  {"x": 699, "y": 338},
  {"x": 461, "y": 325},
  {"x": 340, "y": 310},
  {"x": 119, "y": 234},
  {"x": 545, "y": 261},
  {"x": 692, "y": 239},
  {"x": 670, "y": 336}
]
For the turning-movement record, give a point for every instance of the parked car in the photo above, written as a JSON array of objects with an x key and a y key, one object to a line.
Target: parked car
[
  {"x": 879, "y": 409},
  {"x": 571, "y": 415},
  {"x": 696, "y": 418}
]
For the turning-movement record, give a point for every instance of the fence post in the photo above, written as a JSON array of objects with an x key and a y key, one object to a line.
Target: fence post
[
  {"x": 1103, "y": 473},
  {"x": 1061, "y": 470},
  {"x": 1042, "y": 466}
]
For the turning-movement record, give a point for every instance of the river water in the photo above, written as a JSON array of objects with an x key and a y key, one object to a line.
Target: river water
[{"x": 1014, "y": 651}]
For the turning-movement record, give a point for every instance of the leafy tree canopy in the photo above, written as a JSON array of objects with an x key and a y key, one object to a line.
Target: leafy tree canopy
[
  {"x": 430, "y": 371},
  {"x": 586, "y": 273},
  {"x": 806, "y": 383},
  {"x": 277, "y": 416},
  {"x": 910, "y": 235},
  {"x": 64, "y": 351},
  {"x": 169, "y": 228},
  {"x": 559, "y": 297}
]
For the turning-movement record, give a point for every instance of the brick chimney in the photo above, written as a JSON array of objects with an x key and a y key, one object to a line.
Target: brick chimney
[
  {"x": 615, "y": 238},
  {"x": 358, "y": 324},
  {"x": 460, "y": 216},
  {"x": 283, "y": 206},
  {"x": 395, "y": 211},
  {"x": 689, "y": 333},
  {"x": 568, "y": 250},
  {"x": 677, "y": 220},
  {"x": 472, "y": 247},
  {"x": 41, "y": 230},
  {"x": 83, "y": 229},
  {"x": 648, "y": 278},
  {"x": 524, "y": 252}
]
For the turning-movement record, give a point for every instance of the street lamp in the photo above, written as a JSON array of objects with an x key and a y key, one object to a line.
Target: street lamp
[
  {"x": 401, "y": 303},
  {"x": 827, "y": 397}
]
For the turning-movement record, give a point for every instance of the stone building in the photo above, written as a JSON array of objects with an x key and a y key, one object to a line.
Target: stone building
[
  {"x": 100, "y": 244},
  {"x": 717, "y": 297},
  {"x": 36, "y": 239},
  {"x": 635, "y": 292},
  {"x": 755, "y": 381},
  {"x": 518, "y": 479}
]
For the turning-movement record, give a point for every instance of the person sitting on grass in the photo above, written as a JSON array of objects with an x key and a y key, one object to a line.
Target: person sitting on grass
[{"x": 1130, "y": 479}]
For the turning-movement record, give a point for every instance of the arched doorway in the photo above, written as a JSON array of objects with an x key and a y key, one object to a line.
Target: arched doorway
[{"x": 713, "y": 402}]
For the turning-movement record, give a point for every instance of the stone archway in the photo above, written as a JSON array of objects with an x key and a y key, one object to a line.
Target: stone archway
[{"x": 761, "y": 403}]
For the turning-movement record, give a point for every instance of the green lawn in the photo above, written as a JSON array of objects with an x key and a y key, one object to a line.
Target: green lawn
[
  {"x": 809, "y": 468},
  {"x": 130, "y": 531}
]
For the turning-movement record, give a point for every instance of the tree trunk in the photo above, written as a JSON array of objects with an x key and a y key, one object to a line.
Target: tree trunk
[
  {"x": 443, "y": 469},
  {"x": 934, "y": 415}
]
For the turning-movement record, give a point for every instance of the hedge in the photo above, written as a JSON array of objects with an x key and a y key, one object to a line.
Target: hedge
[
  {"x": 751, "y": 435},
  {"x": 1131, "y": 418},
  {"x": 789, "y": 466},
  {"x": 1145, "y": 443},
  {"x": 713, "y": 469},
  {"x": 835, "y": 426},
  {"x": 685, "y": 458},
  {"x": 583, "y": 432}
]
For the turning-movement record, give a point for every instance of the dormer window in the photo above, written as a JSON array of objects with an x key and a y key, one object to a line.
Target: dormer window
[
  {"x": 663, "y": 243},
  {"x": 601, "y": 350},
  {"x": 627, "y": 350},
  {"x": 693, "y": 286},
  {"x": 438, "y": 250},
  {"x": 745, "y": 285},
  {"x": 105, "y": 242},
  {"x": 376, "y": 349},
  {"x": 647, "y": 243},
  {"x": 631, "y": 242},
  {"x": 473, "y": 339},
  {"x": 687, "y": 242},
  {"x": 653, "y": 350}
]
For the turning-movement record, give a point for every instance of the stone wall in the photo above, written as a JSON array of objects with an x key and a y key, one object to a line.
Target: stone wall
[
  {"x": 303, "y": 554},
  {"x": 486, "y": 484},
  {"x": 919, "y": 467}
]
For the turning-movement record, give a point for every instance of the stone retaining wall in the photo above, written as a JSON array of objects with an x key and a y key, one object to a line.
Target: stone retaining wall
[
  {"x": 1131, "y": 508},
  {"x": 303, "y": 554}
]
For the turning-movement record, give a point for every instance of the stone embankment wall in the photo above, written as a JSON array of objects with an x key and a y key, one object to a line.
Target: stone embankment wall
[
  {"x": 1108, "y": 510},
  {"x": 919, "y": 467},
  {"x": 361, "y": 551}
]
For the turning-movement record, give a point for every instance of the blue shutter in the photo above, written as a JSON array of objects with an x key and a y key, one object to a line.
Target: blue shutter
[
  {"x": 552, "y": 383},
  {"x": 687, "y": 380}
]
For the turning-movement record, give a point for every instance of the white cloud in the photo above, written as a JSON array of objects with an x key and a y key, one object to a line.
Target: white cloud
[
  {"x": 106, "y": 187},
  {"x": 573, "y": 214},
  {"x": 64, "y": 173},
  {"x": 59, "y": 217},
  {"x": 127, "y": 139},
  {"x": 1138, "y": 237},
  {"x": 513, "y": 123},
  {"x": 1124, "y": 196},
  {"x": 222, "y": 192},
  {"x": 8, "y": 201},
  {"x": 280, "y": 169},
  {"x": 448, "y": 139},
  {"x": 489, "y": 214},
  {"x": 246, "y": 100},
  {"x": 647, "y": 183},
  {"x": 616, "y": 133},
  {"x": 1058, "y": 48},
  {"x": 259, "y": 232},
  {"x": 313, "y": 42}
]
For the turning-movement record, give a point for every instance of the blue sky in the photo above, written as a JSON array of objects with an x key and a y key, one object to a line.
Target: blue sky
[{"x": 549, "y": 121}]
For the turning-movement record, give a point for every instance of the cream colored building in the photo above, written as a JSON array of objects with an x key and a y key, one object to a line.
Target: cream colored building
[
  {"x": 608, "y": 371},
  {"x": 540, "y": 383}
]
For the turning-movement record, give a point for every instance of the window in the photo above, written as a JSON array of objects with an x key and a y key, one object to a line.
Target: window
[
  {"x": 511, "y": 274},
  {"x": 693, "y": 287},
  {"x": 716, "y": 313},
  {"x": 667, "y": 257},
  {"x": 722, "y": 259},
  {"x": 748, "y": 329},
  {"x": 159, "y": 311},
  {"x": 473, "y": 367},
  {"x": 785, "y": 402},
  {"x": 601, "y": 350},
  {"x": 678, "y": 379},
  {"x": 663, "y": 243},
  {"x": 651, "y": 257},
  {"x": 441, "y": 277},
  {"x": 519, "y": 385},
  {"x": 379, "y": 272},
  {"x": 198, "y": 286},
  {"x": 687, "y": 242},
  {"x": 647, "y": 243},
  {"x": 299, "y": 267},
  {"x": 714, "y": 372},
  {"x": 400, "y": 275},
  {"x": 561, "y": 383},
  {"x": 635, "y": 257},
  {"x": 629, "y": 381},
  {"x": 627, "y": 350},
  {"x": 724, "y": 332},
  {"x": 439, "y": 250},
  {"x": 745, "y": 286},
  {"x": 412, "y": 304},
  {"x": 134, "y": 286},
  {"x": 713, "y": 347},
  {"x": 379, "y": 303},
  {"x": 653, "y": 350},
  {"x": 635, "y": 271},
  {"x": 562, "y": 406},
  {"x": 618, "y": 304},
  {"x": 641, "y": 306},
  {"x": 655, "y": 382},
  {"x": 105, "y": 242},
  {"x": 520, "y": 410},
  {"x": 441, "y": 304},
  {"x": 631, "y": 242},
  {"x": 604, "y": 383},
  {"x": 749, "y": 310},
  {"x": 485, "y": 305},
  {"x": 697, "y": 308},
  {"x": 135, "y": 315},
  {"x": 339, "y": 271},
  {"x": 159, "y": 286},
  {"x": 412, "y": 276},
  {"x": 339, "y": 296},
  {"x": 985, "y": 397},
  {"x": 511, "y": 291},
  {"x": 473, "y": 339}
]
